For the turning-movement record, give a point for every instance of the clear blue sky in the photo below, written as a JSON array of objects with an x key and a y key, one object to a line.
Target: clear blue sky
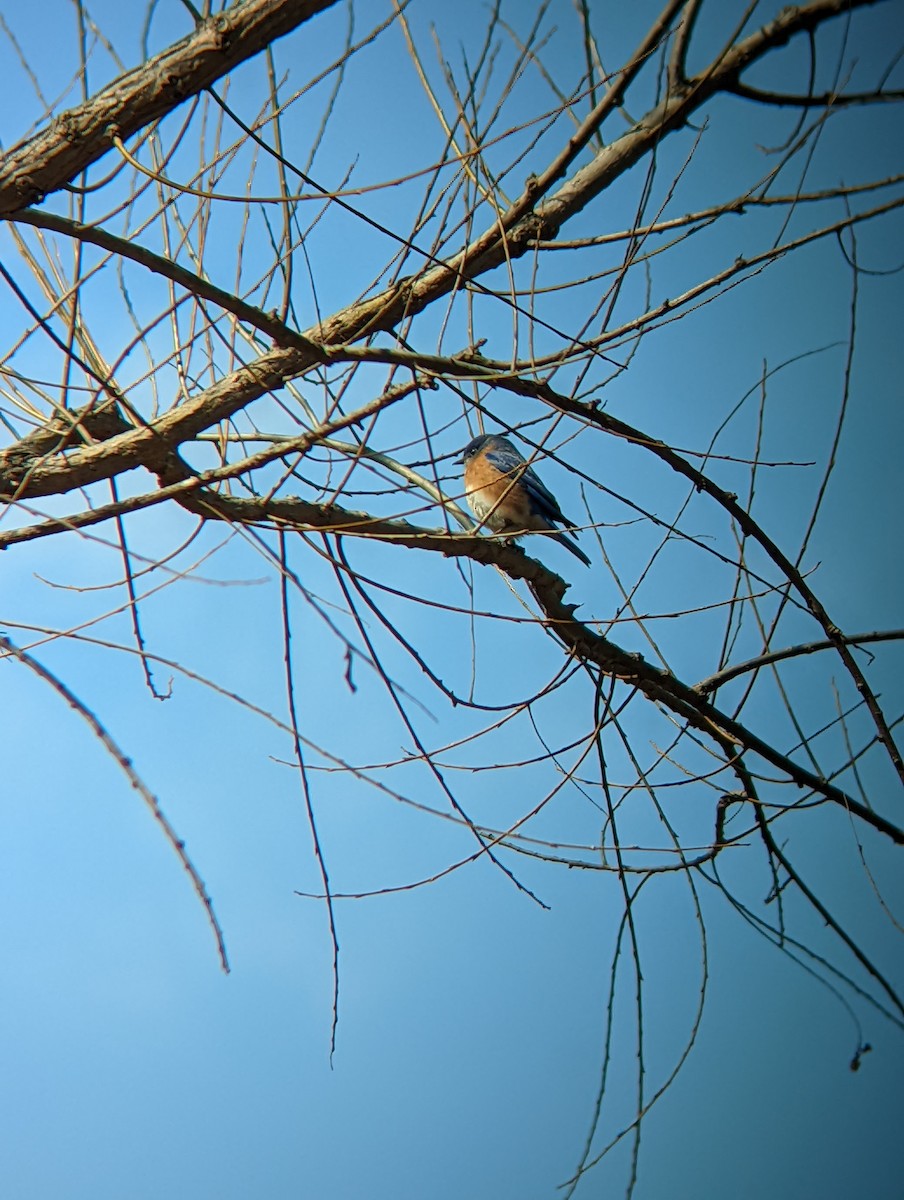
[{"x": 471, "y": 1019}]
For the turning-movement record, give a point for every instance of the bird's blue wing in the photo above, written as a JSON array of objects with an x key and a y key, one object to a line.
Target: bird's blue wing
[
  {"x": 544, "y": 502},
  {"x": 510, "y": 462},
  {"x": 505, "y": 459}
]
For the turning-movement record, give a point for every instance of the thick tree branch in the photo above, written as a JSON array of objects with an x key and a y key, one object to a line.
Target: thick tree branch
[
  {"x": 80, "y": 136},
  {"x": 384, "y": 311}
]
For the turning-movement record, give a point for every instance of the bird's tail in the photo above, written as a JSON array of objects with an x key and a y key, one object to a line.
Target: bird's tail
[{"x": 571, "y": 544}]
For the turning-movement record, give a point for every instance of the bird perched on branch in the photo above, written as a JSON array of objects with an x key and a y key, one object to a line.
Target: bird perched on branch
[{"x": 507, "y": 495}]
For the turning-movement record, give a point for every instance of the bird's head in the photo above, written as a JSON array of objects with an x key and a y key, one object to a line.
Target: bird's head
[
  {"x": 474, "y": 446},
  {"x": 484, "y": 441}
]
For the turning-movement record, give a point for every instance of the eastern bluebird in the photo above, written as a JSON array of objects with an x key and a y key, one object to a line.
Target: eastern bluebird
[{"x": 507, "y": 495}]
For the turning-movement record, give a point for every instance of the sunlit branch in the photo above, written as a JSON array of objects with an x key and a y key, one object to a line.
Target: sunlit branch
[
  {"x": 276, "y": 329},
  {"x": 79, "y": 137}
]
